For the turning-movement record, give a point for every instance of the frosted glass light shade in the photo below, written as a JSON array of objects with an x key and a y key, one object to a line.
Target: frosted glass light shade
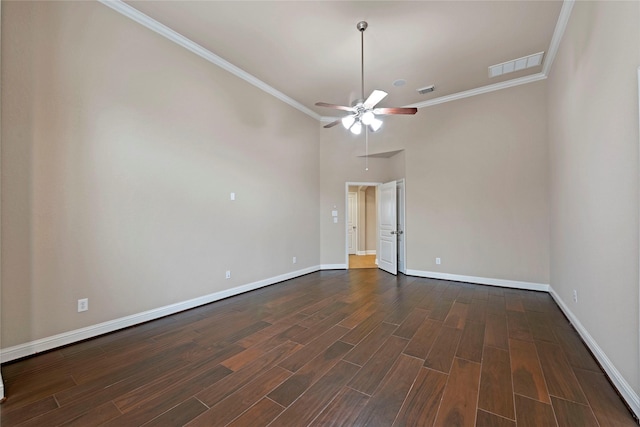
[
  {"x": 356, "y": 128},
  {"x": 375, "y": 124},
  {"x": 368, "y": 118},
  {"x": 348, "y": 121}
]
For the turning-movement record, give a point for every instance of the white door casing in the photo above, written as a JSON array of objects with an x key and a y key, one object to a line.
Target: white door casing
[
  {"x": 352, "y": 223},
  {"x": 387, "y": 222},
  {"x": 402, "y": 267}
]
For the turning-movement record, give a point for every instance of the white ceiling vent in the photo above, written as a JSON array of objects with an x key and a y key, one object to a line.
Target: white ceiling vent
[
  {"x": 427, "y": 89},
  {"x": 516, "y": 64}
]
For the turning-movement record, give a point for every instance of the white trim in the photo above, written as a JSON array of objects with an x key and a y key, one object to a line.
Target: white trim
[
  {"x": 44, "y": 344},
  {"x": 353, "y": 222},
  {"x": 1, "y": 382},
  {"x": 146, "y": 21},
  {"x": 142, "y": 19},
  {"x": 630, "y": 397},
  {"x": 467, "y": 93},
  {"x": 561, "y": 25},
  {"x": 480, "y": 90},
  {"x": 333, "y": 267},
  {"x": 638, "y": 411},
  {"x": 531, "y": 286},
  {"x": 404, "y": 223},
  {"x": 369, "y": 252},
  {"x": 346, "y": 215}
]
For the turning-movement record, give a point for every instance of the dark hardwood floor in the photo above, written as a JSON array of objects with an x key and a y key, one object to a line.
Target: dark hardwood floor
[{"x": 348, "y": 348}]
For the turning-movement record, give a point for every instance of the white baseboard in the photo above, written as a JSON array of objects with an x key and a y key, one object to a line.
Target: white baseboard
[
  {"x": 370, "y": 252},
  {"x": 333, "y": 267},
  {"x": 531, "y": 286},
  {"x": 628, "y": 394},
  {"x": 44, "y": 344}
]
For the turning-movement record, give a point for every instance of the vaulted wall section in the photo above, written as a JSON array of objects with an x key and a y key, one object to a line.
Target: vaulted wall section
[{"x": 119, "y": 153}]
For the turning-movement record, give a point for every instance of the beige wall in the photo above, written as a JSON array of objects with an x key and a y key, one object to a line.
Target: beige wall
[
  {"x": 340, "y": 163},
  {"x": 397, "y": 165},
  {"x": 367, "y": 219},
  {"x": 593, "y": 140},
  {"x": 476, "y": 184},
  {"x": 372, "y": 218},
  {"x": 361, "y": 218},
  {"x": 119, "y": 151}
]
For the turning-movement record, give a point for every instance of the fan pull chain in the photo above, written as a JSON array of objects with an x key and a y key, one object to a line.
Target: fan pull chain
[{"x": 366, "y": 148}]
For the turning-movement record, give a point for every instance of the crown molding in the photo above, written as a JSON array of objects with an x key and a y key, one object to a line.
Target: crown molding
[
  {"x": 142, "y": 19},
  {"x": 480, "y": 90},
  {"x": 467, "y": 93},
  {"x": 558, "y": 32},
  {"x": 139, "y": 17},
  {"x": 561, "y": 25}
]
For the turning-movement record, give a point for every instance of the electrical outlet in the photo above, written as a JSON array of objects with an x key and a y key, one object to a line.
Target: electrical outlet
[
  {"x": 227, "y": 274},
  {"x": 295, "y": 260},
  {"x": 575, "y": 296},
  {"x": 438, "y": 261},
  {"x": 83, "y": 304}
]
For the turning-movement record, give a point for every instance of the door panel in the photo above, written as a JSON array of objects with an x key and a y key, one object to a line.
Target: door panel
[{"x": 387, "y": 242}]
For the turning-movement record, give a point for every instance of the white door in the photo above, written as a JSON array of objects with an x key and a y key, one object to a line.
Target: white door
[
  {"x": 400, "y": 229},
  {"x": 387, "y": 237},
  {"x": 352, "y": 221}
]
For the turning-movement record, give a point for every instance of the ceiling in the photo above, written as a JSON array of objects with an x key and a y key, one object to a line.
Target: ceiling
[{"x": 310, "y": 50}]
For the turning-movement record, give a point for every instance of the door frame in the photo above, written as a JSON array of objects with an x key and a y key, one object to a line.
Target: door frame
[
  {"x": 401, "y": 187},
  {"x": 346, "y": 217},
  {"x": 354, "y": 221}
]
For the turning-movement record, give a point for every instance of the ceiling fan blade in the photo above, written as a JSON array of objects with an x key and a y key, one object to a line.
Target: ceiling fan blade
[
  {"x": 396, "y": 110},
  {"x": 332, "y": 124},
  {"x": 375, "y": 97},
  {"x": 334, "y": 106}
]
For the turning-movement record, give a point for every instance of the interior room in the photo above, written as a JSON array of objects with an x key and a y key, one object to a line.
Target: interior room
[
  {"x": 361, "y": 226},
  {"x": 174, "y": 213}
]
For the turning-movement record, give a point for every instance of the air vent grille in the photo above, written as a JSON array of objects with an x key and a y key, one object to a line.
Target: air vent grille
[
  {"x": 516, "y": 64},
  {"x": 427, "y": 89}
]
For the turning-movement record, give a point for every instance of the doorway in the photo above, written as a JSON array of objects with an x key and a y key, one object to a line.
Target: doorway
[
  {"x": 361, "y": 248},
  {"x": 361, "y": 224}
]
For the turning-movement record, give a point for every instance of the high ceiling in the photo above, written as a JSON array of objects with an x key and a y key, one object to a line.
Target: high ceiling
[{"x": 310, "y": 50}]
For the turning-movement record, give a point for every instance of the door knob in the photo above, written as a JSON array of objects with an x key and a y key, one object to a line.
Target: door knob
[
  {"x": 393, "y": 232},
  {"x": 400, "y": 231}
]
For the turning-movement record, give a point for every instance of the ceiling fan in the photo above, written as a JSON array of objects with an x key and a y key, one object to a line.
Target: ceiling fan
[{"x": 363, "y": 112}]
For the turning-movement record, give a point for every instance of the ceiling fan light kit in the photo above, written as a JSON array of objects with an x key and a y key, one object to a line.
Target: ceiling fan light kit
[{"x": 363, "y": 113}]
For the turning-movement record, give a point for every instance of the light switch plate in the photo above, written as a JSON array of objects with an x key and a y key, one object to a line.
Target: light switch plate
[{"x": 334, "y": 213}]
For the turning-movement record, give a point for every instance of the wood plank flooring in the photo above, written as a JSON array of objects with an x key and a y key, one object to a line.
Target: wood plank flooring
[
  {"x": 362, "y": 261},
  {"x": 333, "y": 348}
]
